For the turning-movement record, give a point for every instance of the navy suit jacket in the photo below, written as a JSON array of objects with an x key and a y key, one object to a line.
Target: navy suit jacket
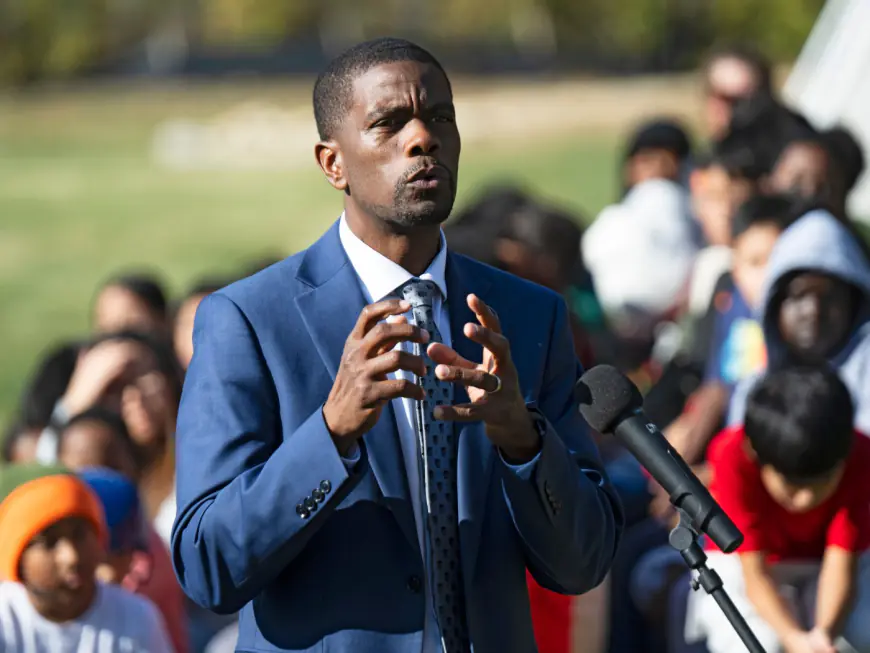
[{"x": 252, "y": 445}]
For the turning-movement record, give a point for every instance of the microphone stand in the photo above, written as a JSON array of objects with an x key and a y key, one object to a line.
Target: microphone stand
[{"x": 684, "y": 539}]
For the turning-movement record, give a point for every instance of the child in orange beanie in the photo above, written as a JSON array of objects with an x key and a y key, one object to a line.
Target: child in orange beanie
[{"x": 54, "y": 537}]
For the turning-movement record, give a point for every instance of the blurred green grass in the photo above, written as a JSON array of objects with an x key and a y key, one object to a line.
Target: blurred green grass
[{"x": 80, "y": 200}]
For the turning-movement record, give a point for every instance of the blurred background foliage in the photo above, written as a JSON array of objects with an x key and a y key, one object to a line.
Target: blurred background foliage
[{"x": 62, "y": 39}]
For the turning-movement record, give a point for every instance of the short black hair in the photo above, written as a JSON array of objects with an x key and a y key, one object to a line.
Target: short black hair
[
  {"x": 48, "y": 384},
  {"x": 748, "y": 55},
  {"x": 661, "y": 134},
  {"x": 199, "y": 288},
  {"x": 106, "y": 417},
  {"x": 334, "y": 86},
  {"x": 204, "y": 286},
  {"x": 549, "y": 232},
  {"x": 776, "y": 210},
  {"x": 799, "y": 421},
  {"x": 145, "y": 286},
  {"x": 761, "y": 128},
  {"x": 847, "y": 152}
]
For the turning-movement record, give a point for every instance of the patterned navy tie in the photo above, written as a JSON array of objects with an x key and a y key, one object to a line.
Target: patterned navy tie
[{"x": 438, "y": 473}]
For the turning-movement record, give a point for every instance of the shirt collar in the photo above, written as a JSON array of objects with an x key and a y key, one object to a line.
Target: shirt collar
[{"x": 379, "y": 275}]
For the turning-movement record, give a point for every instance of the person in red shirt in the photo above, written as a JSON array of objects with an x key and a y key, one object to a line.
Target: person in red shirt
[{"x": 794, "y": 479}]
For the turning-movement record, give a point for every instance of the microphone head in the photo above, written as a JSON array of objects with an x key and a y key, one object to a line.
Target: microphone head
[{"x": 605, "y": 395}]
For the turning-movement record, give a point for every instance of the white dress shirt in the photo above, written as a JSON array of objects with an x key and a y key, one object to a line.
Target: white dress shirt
[{"x": 380, "y": 278}]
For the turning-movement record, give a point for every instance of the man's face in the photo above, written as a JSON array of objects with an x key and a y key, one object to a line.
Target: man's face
[
  {"x": 58, "y": 567},
  {"x": 804, "y": 170},
  {"x": 728, "y": 80},
  {"x": 816, "y": 315},
  {"x": 397, "y": 150}
]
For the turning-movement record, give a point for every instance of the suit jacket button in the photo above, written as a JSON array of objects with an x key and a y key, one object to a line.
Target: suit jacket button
[
  {"x": 325, "y": 487},
  {"x": 318, "y": 496},
  {"x": 309, "y": 504},
  {"x": 302, "y": 511},
  {"x": 415, "y": 584}
]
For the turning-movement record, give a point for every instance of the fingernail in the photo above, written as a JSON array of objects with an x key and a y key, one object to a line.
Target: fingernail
[
  {"x": 441, "y": 371},
  {"x": 424, "y": 335},
  {"x": 438, "y": 412},
  {"x": 405, "y": 305}
]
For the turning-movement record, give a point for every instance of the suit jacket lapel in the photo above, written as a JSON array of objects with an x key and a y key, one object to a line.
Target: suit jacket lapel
[
  {"x": 476, "y": 453},
  {"x": 330, "y": 310}
]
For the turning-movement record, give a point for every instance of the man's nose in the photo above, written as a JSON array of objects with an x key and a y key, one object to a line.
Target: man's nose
[
  {"x": 421, "y": 141},
  {"x": 808, "y": 307}
]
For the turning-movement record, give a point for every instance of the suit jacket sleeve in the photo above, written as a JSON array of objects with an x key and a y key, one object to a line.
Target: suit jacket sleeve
[
  {"x": 239, "y": 478},
  {"x": 564, "y": 508}
]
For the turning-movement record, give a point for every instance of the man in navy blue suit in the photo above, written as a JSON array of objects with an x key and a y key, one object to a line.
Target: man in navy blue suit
[{"x": 369, "y": 456}]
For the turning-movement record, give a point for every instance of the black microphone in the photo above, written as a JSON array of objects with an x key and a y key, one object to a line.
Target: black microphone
[{"x": 610, "y": 403}]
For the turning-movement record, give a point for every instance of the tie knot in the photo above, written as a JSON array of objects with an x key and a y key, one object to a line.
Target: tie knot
[{"x": 420, "y": 292}]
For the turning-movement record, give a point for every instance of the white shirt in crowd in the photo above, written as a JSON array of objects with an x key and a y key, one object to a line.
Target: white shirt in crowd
[{"x": 118, "y": 622}]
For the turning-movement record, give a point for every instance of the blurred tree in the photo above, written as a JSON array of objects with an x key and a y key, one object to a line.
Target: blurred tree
[
  {"x": 46, "y": 38},
  {"x": 55, "y": 38},
  {"x": 778, "y": 27},
  {"x": 255, "y": 22}
]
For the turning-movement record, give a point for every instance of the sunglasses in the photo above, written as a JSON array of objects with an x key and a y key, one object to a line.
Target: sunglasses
[{"x": 721, "y": 96}]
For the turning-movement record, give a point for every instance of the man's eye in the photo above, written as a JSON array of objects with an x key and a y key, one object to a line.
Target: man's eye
[{"x": 386, "y": 123}]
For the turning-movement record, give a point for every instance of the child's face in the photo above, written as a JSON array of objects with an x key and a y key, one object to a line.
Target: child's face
[
  {"x": 58, "y": 568},
  {"x": 651, "y": 164},
  {"x": 816, "y": 315},
  {"x": 752, "y": 250},
  {"x": 93, "y": 444},
  {"x": 715, "y": 197},
  {"x": 800, "y": 497},
  {"x": 24, "y": 448}
]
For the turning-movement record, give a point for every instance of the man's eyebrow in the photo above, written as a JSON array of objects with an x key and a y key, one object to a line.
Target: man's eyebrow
[
  {"x": 441, "y": 106},
  {"x": 384, "y": 109},
  {"x": 395, "y": 107}
]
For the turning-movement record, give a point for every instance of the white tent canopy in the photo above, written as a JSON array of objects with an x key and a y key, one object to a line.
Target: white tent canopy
[{"x": 830, "y": 82}]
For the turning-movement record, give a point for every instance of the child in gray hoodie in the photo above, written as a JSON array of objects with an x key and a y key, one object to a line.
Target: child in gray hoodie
[{"x": 816, "y": 308}]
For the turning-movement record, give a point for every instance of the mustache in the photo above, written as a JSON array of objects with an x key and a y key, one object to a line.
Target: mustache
[{"x": 422, "y": 164}]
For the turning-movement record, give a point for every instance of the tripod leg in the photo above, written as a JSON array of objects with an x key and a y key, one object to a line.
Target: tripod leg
[{"x": 737, "y": 621}]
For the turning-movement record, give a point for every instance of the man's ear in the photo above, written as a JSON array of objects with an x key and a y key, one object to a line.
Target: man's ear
[{"x": 328, "y": 155}]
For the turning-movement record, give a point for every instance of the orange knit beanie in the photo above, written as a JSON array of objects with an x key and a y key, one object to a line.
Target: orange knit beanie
[{"x": 37, "y": 504}]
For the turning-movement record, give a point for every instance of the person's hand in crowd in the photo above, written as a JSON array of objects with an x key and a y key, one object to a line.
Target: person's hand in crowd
[
  {"x": 96, "y": 371},
  {"x": 678, "y": 434},
  {"x": 493, "y": 386},
  {"x": 660, "y": 505},
  {"x": 821, "y": 641},
  {"x": 361, "y": 388},
  {"x": 815, "y": 641}
]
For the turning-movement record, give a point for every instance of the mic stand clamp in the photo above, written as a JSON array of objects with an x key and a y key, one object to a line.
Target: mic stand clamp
[{"x": 684, "y": 539}]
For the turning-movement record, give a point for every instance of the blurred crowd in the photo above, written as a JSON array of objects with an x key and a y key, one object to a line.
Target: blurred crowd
[{"x": 727, "y": 281}]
